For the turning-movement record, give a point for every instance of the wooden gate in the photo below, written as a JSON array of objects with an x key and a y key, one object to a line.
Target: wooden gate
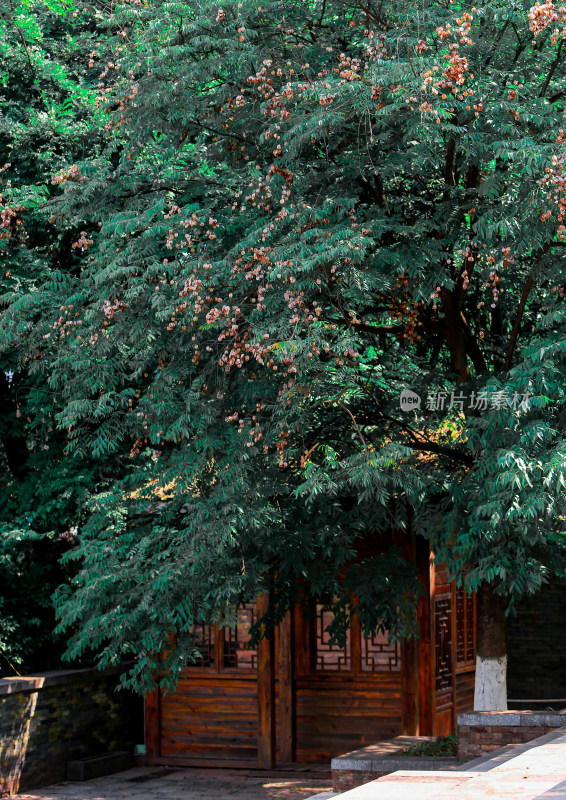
[
  {"x": 298, "y": 697},
  {"x": 295, "y": 698}
]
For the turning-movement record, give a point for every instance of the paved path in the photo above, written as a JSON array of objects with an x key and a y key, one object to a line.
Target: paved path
[
  {"x": 154, "y": 783},
  {"x": 533, "y": 771}
]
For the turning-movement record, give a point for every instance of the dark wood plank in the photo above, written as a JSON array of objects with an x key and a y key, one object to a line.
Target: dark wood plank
[
  {"x": 338, "y": 719},
  {"x": 336, "y": 681},
  {"x": 465, "y": 682},
  {"x": 210, "y": 716},
  {"x": 152, "y": 724},
  {"x": 199, "y": 761},
  {"x": 286, "y": 700},
  {"x": 299, "y": 642},
  {"x": 266, "y": 695}
]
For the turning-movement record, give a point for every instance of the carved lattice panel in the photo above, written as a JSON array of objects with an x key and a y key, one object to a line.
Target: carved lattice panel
[
  {"x": 203, "y": 640},
  {"x": 324, "y": 656},
  {"x": 464, "y": 624},
  {"x": 460, "y": 626},
  {"x": 237, "y": 653},
  {"x": 378, "y": 655},
  {"x": 443, "y": 642},
  {"x": 470, "y": 624}
]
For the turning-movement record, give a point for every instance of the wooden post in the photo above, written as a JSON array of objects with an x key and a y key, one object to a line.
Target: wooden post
[
  {"x": 409, "y": 652},
  {"x": 425, "y": 654},
  {"x": 265, "y": 695},
  {"x": 286, "y": 693},
  {"x": 152, "y": 723},
  {"x": 410, "y": 688},
  {"x": 355, "y": 641}
]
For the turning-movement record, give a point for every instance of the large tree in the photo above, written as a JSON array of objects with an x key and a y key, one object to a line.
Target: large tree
[{"x": 303, "y": 209}]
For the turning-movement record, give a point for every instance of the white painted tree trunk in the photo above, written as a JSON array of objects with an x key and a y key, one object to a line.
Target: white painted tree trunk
[{"x": 490, "y": 692}]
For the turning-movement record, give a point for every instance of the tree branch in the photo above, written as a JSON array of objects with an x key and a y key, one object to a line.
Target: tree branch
[
  {"x": 356, "y": 426},
  {"x": 454, "y": 337},
  {"x": 472, "y": 347},
  {"x": 518, "y": 320},
  {"x": 425, "y": 445},
  {"x": 521, "y": 310},
  {"x": 441, "y": 450},
  {"x": 552, "y": 70}
]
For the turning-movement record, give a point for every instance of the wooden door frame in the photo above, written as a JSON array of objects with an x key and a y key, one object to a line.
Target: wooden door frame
[{"x": 265, "y": 693}]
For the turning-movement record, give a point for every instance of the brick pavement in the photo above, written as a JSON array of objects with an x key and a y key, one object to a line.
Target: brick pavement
[
  {"x": 154, "y": 783},
  {"x": 532, "y": 771}
]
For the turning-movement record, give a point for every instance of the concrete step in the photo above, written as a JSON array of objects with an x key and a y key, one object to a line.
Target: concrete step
[{"x": 376, "y": 760}]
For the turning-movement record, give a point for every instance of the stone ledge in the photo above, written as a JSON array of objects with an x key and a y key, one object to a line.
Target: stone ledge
[
  {"x": 57, "y": 677},
  {"x": 394, "y": 763},
  {"x": 375, "y": 753},
  {"x": 374, "y": 761},
  {"x": 530, "y": 719}
]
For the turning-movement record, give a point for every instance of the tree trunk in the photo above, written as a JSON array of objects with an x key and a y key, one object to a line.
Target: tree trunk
[
  {"x": 15, "y": 446},
  {"x": 491, "y": 658}
]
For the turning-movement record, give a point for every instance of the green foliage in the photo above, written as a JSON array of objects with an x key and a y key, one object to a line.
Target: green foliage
[
  {"x": 442, "y": 746},
  {"x": 299, "y": 210},
  {"x": 48, "y": 117}
]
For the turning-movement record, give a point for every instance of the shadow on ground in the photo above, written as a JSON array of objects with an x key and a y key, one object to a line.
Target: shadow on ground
[{"x": 150, "y": 783}]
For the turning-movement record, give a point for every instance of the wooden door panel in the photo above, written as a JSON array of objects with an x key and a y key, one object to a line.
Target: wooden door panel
[{"x": 210, "y": 716}]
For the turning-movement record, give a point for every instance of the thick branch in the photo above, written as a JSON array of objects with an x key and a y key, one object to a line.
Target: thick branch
[
  {"x": 552, "y": 70},
  {"x": 521, "y": 310},
  {"x": 15, "y": 446},
  {"x": 418, "y": 443},
  {"x": 518, "y": 320},
  {"x": 472, "y": 347},
  {"x": 454, "y": 337},
  {"x": 449, "y": 179},
  {"x": 440, "y": 449}
]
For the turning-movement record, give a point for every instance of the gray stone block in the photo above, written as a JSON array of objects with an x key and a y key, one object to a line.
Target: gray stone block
[
  {"x": 83, "y": 769},
  {"x": 534, "y": 719},
  {"x": 394, "y": 763}
]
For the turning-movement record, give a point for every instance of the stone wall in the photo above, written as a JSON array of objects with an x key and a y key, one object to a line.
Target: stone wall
[
  {"x": 49, "y": 719},
  {"x": 536, "y": 643},
  {"x": 481, "y": 732}
]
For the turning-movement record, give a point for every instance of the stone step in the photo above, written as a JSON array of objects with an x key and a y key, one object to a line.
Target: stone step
[{"x": 376, "y": 760}]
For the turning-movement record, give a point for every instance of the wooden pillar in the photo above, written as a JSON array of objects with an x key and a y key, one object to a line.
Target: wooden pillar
[
  {"x": 265, "y": 694},
  {"x": 152, "y": 724},
  {"x": 425, "y": 644},
  {"x": 286, "y": 691},
  {"x": 410, "y": 688},
  {"x": 409, "y": 653}
]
